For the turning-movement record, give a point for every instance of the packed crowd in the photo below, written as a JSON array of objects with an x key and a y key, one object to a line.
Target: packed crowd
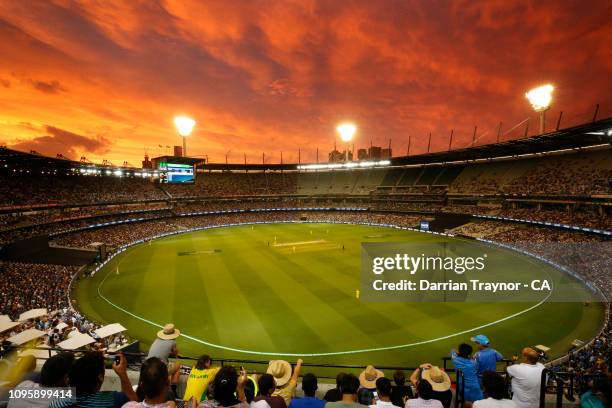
[
  {"x": 593, "y": 360},
  {"x": 480, "y": 385},
  {"x": 236, "y": 184},
  {"x": 118, "y": 235},
  {"x": 585, "y": 254},
  {"x": 16, "y": 234},
  {"x": 582, "y": 217},
  {"x": 575, "y": 176},
  {"x": 43, "y": 190},
  {"x": 20, "y": 219},
  {"x": 28, "y": 286}
]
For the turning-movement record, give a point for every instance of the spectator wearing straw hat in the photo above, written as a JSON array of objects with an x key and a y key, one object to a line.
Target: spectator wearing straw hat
[
  {"x": 440, "y": 382},
  {"x": 285, "y": 381},
  {"x": 164, "y": 345},
  {"x": 486, "y": 358},
  {"x": 368, "y": 377}
]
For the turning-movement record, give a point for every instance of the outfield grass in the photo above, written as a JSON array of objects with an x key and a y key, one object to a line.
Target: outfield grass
[{"x": 290, "y": 288}]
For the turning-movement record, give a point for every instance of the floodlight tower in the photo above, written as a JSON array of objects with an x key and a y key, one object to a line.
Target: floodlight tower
[
  {"x": 346, "y": 132},
  {"x": 184, "y": 126},
  {"x": 540, "y": 99}
]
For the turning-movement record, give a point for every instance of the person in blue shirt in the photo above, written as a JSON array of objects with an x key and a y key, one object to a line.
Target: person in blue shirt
[
  {"x": 309, "y": 386},
  {"x": 486, "y": 358},
  {"x": 462, "y": 361}
]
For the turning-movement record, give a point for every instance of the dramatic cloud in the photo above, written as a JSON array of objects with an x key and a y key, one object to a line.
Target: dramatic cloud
[
  {"x": 263, "y": 76},
  {"x": 50, "y": 87},
  {"x": 60, "y": 141}
]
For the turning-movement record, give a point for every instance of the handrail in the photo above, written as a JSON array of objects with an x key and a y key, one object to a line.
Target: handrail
[{"x": 221, "y": 361}]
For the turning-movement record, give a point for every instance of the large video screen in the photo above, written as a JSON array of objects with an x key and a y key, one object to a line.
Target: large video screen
[{"x": 177, "y": 173}]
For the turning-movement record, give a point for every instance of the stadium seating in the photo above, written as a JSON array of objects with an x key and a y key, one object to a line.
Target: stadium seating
[{"x": 78, "y": 210}]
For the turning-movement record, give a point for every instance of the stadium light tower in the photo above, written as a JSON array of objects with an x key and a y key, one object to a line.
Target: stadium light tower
[
  {"x": 346, "y": 132},
  {"x": 184, "y": 126},
  {"x": 540, "y": 99}
]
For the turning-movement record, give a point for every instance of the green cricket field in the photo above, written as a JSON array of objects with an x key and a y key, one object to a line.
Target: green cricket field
[{"x": 269, "y": 291}]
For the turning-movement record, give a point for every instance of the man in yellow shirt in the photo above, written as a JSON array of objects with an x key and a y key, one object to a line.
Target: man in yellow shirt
[{"x": 200, "y": 376}]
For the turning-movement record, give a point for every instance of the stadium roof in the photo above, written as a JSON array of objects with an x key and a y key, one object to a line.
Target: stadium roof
[
  {"x": 588, "y": 135},
  {"x": 582, "y": 136}
]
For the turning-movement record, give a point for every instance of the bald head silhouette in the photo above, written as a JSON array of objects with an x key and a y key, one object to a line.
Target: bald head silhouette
[{"x": 530, "y": 356}]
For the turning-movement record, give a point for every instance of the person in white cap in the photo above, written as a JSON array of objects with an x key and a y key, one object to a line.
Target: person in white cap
[{"x": 285, "y": 381}]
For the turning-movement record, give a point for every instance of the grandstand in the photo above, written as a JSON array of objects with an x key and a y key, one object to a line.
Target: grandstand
[{"x": 549, "y": 189}]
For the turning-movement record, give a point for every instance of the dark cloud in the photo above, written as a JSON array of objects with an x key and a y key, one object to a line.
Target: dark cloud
[
  {"x": 260, "y": 75},
  {"x": 48, "y": 87},
  {"x": 62, "y": 141}
]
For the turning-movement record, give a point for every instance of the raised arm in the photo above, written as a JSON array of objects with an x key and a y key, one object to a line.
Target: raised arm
[
  {"x": 296, "y": 371},
  {"x": 126, "y": 385},
  {"x": 242, "y": 380}
]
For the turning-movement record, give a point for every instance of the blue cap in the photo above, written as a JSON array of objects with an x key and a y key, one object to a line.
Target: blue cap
[{"x": 481, "y": 339}]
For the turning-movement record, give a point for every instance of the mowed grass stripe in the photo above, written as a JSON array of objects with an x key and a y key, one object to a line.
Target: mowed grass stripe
[
  {"x": 195, "y": 309},
  {"x": 271, "y": 307},
  {"x": 338, "y": 294},
  {"x": 309, "y": 289},
  {"x": 131, "y": 269},
  {"x": 155, "y": 295},
  {"x": 239, "y": 300},
  {"x": 395, "y": 318},
  {"x": 234, "y": 328},
  {"x": 391, "y": 319}
]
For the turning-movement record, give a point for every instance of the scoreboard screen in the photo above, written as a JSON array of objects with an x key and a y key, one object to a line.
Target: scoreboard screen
[{"x": 177, "y": 173}]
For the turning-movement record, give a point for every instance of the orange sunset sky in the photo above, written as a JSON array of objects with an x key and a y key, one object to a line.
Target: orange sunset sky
[{"x": 105, "y": 78}]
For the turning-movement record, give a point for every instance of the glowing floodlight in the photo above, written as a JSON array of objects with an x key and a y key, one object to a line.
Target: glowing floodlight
[
  {"x": 184, "y": 126},
  {"x": 540, "y": 97},
  {"x": 346, "y": 131}
]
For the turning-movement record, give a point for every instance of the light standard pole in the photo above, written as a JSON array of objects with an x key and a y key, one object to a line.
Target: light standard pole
[
  {"x": 346, "y": 132},
  {"x": 540, "y": 99},
  {"x": 184, "y": 126}
]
